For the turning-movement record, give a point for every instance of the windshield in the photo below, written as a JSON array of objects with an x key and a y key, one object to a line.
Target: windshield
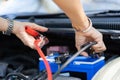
[
  {"x": 99, "y": 5},
  {"x": 48, "y": 6}
]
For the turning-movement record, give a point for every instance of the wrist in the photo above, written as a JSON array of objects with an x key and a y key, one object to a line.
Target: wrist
[
  {"x": 85, "y": 28},
  {"x": 9, "y": 27},
  {"x": 15, "y": 28}
]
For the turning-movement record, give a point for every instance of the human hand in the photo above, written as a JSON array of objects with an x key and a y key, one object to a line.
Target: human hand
[
  {"x": 91, "y": 36},
  {"x": 19, "y": 31}
]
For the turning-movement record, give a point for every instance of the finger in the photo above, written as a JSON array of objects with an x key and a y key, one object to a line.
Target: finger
[
  {"x": 84, "y": 54},
  {"x": 80, "y": 40},
  {"x": 39, "y": 28},
  {"x": 80, "y": 43},
  {"x": 28, "y": 40},
  {"x": 99, "y": 47}
]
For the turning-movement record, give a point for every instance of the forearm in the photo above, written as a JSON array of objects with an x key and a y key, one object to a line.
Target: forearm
[
  {"x": 3, "y": 24},
  {"x": 74, "y": 10}
]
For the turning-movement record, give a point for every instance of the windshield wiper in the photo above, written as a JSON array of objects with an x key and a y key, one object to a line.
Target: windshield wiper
[
  {"x": 39, "y": 15},
  {"x": 105, "y": 13},
  {"x": 35, "y": 15}
]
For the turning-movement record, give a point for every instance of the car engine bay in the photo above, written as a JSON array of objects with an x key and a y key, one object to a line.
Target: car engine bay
[{"x": 19, "y": 62}]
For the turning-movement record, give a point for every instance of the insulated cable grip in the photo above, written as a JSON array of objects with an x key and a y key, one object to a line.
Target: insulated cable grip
[{"x": 37, "y": 36}]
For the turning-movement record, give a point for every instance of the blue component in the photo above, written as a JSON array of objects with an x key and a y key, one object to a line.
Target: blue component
[{"x": 80, "y": 64}]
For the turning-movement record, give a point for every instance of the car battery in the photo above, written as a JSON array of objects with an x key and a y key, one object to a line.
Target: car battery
[{"x": 87, "y": 65}]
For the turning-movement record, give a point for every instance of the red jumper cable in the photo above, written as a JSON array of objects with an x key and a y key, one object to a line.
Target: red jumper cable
[{"x": 37, "y": 37}]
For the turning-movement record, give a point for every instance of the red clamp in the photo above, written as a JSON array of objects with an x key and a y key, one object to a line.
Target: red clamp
[
  {"x": 36, "y": 34},
  {"x": 32, "y": 32}
]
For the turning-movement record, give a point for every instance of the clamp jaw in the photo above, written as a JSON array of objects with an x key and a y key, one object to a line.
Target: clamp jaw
[{"x": 39, "y": 37}]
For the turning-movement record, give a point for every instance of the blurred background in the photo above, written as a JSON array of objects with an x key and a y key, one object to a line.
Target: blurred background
[{"x": 48, "y": 6}]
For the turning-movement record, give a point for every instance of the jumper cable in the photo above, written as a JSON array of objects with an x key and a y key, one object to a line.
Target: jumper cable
[{"x": 38, "y": 38}]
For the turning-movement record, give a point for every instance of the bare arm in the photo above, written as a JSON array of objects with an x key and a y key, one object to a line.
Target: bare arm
[
  {"x": 3, "y": 24},
  {"x": 74, "y": 10},
  {"x": 84, "y": 30}
]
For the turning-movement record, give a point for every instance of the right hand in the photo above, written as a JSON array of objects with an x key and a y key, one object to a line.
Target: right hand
[{"x": 92, "y": 35}]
